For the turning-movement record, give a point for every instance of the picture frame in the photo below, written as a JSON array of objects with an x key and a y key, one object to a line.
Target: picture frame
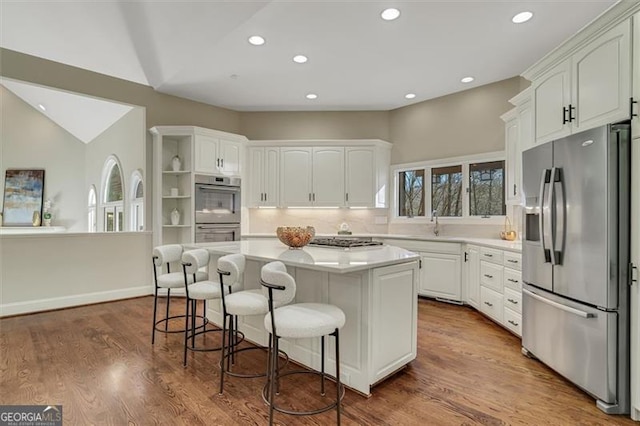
[{"x": 23, "y": 196}]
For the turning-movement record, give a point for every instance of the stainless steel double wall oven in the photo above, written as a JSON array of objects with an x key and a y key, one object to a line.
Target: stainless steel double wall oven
[{"x": 217, "y": 201}]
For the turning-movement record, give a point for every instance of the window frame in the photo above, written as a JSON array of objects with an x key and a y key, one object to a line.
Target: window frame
[
  {"x": 427, "y": 166},
  {"x": 136, "y": 207},
  {"x": 115, "y": 207},
  {"x": 92, "y": 209}
]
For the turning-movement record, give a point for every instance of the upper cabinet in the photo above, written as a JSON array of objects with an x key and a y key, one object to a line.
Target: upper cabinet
[
  {"x": 635, "y": 102},
  {"x": 518, "y": 137},
  {"x": 338, "y": 173},
  {"x": 218, "y": 156},
  {"x": 589, "y": 88}
]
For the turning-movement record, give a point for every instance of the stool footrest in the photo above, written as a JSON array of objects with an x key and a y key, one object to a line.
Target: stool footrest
[
  {"x": 204, "y": 319},
  {"x": 254, "y": 375},
  {"x": 210, "y": 349}
]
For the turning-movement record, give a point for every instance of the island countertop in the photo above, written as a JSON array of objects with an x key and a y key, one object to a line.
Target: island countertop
[{"x": 337, "y": 260}]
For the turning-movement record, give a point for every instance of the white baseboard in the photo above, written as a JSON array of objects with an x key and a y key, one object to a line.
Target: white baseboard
[{"x": 73, "y": 300}]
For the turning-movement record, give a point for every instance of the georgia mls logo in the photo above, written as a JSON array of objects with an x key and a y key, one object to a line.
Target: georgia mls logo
[{"x": 30, "y": 415}]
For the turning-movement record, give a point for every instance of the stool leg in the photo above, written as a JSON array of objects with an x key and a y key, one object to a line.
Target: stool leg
[
  {"x": 186, "y": 331},
  {"x": 272, "y": 376},
  {"x": 338, "y": 386},
  {"x": 276, "y": 358},
  {"x": 230, "y": 343},
  {"x": 268, "y": 369},
  {"x": 166, "y": 322},
  {"x": 155, "y": 308},
  {"x": 193, "y": 323},
  {"x": 224, "y": 333},
  {"x": 322, "y": 392}
]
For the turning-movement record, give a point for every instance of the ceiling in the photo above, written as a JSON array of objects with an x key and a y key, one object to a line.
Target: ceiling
[{"x": 357, "y": 61}]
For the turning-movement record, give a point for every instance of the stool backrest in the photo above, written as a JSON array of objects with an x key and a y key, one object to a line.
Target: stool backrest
[
  {"x": 275, "y": 273},
  {"x": 193, "y": 260},
  {"x": 234, "y": 265},
  {"x": 167, "y": 254}
]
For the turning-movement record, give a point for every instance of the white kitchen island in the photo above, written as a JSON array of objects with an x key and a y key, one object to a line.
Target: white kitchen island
[{"x": 376, "y": 287}]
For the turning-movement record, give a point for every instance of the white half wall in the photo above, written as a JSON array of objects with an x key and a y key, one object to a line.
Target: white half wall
[{"x": 53, "y": 271}]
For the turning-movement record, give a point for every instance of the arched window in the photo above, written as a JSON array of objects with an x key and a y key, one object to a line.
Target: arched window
[
  {"x": 113, "y": 195},
  {"x": 91, "y": 210},
  {"x": 137, "y": 202}
]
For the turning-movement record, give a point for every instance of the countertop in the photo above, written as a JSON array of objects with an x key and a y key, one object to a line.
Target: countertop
[
  {"x": 515, "y": 246},
  {"x": 337, "y": 260}
]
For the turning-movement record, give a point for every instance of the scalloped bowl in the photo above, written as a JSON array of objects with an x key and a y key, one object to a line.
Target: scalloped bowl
[{"x": 295, "y": 236}]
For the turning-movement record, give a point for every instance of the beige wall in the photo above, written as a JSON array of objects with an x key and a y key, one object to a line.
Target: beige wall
[
  {"x": 161, "y": 109},
  {"x": 459, "y": 124},
  {"x": 315, "y": 125}
]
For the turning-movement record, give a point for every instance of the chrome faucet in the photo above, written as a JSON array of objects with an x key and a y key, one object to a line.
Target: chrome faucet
[{"x": 434, "y": 215}]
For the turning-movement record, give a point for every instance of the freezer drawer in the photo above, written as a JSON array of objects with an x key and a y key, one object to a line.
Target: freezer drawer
[{"x": 575, "y": 340}]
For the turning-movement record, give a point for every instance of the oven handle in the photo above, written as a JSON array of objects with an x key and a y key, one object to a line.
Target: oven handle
[
  {"x": 202, "y": 187},
  {"x": 213, "y": 227}
]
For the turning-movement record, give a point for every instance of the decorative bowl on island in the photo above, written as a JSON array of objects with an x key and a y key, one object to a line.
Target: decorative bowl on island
[{"x": 295, "y": 236}]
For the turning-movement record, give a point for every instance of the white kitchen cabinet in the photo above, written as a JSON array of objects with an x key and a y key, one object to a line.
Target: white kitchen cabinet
[
  {"x": 217, "y": 156},
  {"x": 590, "y": 88},
  {"x": 328, "y": 177},
  {"x": 513, "y": 153},
  {"x": 296, "y": 171},
  {"x": 263, "y": 176},
  {"x": 359, "y": 176},
  {"x": 472, "y": 275}
]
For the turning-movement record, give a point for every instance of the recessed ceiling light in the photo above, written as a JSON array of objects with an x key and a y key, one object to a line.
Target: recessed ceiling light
[
  {"x": 410, "y": 95},
  {"x": 522, "y": 17},
  {"x": 467, "y": 79},
  {"x": 256, "y": 40},
  {"x": 42, "y": 107},
  {"x": 390, "y": 14},
  {"x": 312, "y": 96},
  {"x": 300, "y": 59}
]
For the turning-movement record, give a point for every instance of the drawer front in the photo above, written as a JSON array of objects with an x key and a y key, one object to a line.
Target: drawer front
[
  {"x": 513, "y": 300},
  {"x": 491, "y": 275},
  {"x": 513, "y": 260},
  {"x": 491, "y": 255},
  {"x": 513, "y": 279},
  {"x": 491, "y": 303},
  {"x": 513, "y": 321}
]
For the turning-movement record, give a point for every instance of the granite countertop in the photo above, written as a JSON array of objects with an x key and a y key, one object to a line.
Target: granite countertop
[
  {"x": 337, "y": 260},
  {"x": 515, "y": 246}
]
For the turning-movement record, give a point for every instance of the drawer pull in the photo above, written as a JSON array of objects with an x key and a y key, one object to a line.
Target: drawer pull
[
  {"x": 512, "y": 261},
  {"x": 512, "y": 323},
  {"x": 488, "y": 255},
  {"x": 488, "y": 304},
  {"x": 515, "y": 302},
  {"x": 488, "y": 276},
  {"x": 512, "y": 280}
]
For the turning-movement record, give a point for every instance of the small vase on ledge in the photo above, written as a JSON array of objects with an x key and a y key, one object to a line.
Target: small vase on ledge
[
  {"x": 35, "y": 220},
  {"x": 175, "y": 216},
  {"x": 176, "y": 163}
]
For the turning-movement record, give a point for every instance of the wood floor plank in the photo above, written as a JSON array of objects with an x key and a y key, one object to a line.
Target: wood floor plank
[{"x": 98, "y": 362}]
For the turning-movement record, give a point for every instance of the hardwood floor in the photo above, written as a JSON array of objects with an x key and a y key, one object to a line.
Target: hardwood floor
[{"x": 98, "y": 362}]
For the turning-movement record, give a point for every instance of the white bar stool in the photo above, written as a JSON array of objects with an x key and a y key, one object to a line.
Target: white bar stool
[
  {"x": 298, "y": 321},
  {"x": 166, "y": 255},
  {"x": 237, "y": 303},
  {"x": 192, "y": 263}
]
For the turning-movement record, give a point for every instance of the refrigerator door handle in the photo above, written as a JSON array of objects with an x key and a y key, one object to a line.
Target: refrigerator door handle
[
  {"x": 560, "y": 306},
  {"x": 543, "y": 221},
  {"x": 560, "y": 217},
  {"x": 550, "y": 222}
]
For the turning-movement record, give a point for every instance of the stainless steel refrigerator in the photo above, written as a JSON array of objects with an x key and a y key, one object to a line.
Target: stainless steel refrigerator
[{"x": 575, "y": 257}]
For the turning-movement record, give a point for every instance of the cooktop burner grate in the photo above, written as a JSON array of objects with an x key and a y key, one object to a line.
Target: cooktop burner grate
[{"x": 344, "y": 242}]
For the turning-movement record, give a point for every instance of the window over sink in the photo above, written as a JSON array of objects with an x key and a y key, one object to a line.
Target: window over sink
[{"x": 463, "y": 187}]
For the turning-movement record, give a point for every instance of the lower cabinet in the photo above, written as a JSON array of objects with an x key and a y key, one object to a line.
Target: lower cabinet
[
  {"x": 493, "y": 285},
  {"x": 440, "y": 276}
]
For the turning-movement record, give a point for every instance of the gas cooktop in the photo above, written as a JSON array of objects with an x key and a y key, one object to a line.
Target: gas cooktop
[{"x": 344, "y": 242}]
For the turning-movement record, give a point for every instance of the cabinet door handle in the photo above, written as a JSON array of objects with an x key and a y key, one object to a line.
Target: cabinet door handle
[
  {"x": 512, "y": 261},
  {"x": 488, "y": 255},
  {"x": 564, "y": 115},
  {"x": 217, "y": 162},
  {"x": 631, "y": 102},
  {"x": 466, "y": 256},
  {"x": 488, "y": 304},
  {"x": 346, "y": 197},
  {"x": 314, "y": 196},
  {"x": 571, "y": 110},
  {"x": 512, "y": 323},
  {"x": 222, "y": 163},
  {"x": 512, "y": 280},
  {"x": 514, "y": 189},
  {"x": 309, "y": 196},
  {"x": 515, "y": 302},
  {"x": 262, "y": 196},
  {"x": 488, "y": 276},
  {"x": 265, "y": 196}
]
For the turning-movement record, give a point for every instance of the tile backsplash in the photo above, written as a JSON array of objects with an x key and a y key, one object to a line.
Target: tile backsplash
[{"x": 367, "y": 221}]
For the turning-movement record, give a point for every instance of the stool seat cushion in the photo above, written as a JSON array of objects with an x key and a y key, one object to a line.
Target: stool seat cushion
[
  {"x": 303, "y": 320},
  {"x": 204, "y": 290},
  {"x": 176, "y": 279},
  {"x": 247, "y": 302}
]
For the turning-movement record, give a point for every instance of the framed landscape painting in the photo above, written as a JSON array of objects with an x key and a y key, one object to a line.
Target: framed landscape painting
[{"x": 23, "y": 192}]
